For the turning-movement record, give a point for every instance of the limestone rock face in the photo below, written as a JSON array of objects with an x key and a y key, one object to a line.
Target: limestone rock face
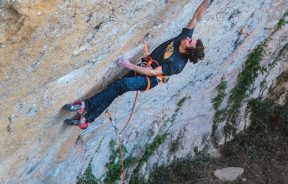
[{"x": 54, "y": 52}]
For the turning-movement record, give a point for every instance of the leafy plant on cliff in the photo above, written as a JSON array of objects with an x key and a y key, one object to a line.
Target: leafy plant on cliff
[
  {"x": 169, "y": 122},
  {"x": 185, "y": 170},
  {"x": 87, "y": 177},
  {"x": 281, "y": 22},
  {"x": 267, "y": 134},
  {"x": 114, "y": 165},
  {"x": 179, "y": 106},
  {"x": 219, "y": 112},
  {"x": 149, "y": 150},
  {"x": 243, "y": 84},
  {"x": 175, "y": 144},
  {"x": 264, "y": 144}
]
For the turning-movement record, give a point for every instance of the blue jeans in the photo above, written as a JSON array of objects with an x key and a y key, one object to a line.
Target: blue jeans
[{"x": 99, "y": 102}]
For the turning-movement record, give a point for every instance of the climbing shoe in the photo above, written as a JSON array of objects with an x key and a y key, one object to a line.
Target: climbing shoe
[
  {"x": 78, "y": 106},
  {"x": 81, "y": 122},
  {"x": 83, "y": 125},
  {"x": 72, "y": 121}
]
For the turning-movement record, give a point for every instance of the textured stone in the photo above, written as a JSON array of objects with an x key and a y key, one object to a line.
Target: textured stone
[
  {"x": 229, "y": 173},
  {"x": 54, "y": 52}
]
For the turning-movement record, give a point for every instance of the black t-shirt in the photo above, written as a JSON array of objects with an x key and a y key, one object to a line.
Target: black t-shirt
[{"x": 168, "y": 56}]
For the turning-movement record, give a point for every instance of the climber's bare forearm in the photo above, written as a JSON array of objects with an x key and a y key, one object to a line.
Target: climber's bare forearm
[
  {"x": 139, "y": 69},
  {"x": 198, "y": 14},
  {"x": 146, "y": 71}
]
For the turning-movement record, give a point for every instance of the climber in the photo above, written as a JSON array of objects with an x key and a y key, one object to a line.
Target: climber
[{"x": 171, "y": 56}]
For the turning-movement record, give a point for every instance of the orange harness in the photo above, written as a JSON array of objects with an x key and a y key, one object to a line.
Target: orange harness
[{"x": 162, "y": 78}]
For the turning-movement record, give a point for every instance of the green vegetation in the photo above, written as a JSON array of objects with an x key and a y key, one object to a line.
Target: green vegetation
[
  {"x": 175, "y": 144},
  {"x": 217, "y": 101},
  {"x": 114, "y": 165},
  {"x": 263, "y": 145},
  {"x": 219, "y": 112},
  {"x": 173, "y": 118},
  {"x": 149, "y": 150},
  {"x": 242, "y": 88},
  {"x": 267, "y": 134},
  {"x": 179, "y": 106},
  {"x": 87, "y": 177},
  {"x": 180, "y": 103},
  {"x": 281, "y": 22},
  {"x": 244, "y": 82},
  {"x": 265, "y": 140},
  {"x": 181, "y": 171}
]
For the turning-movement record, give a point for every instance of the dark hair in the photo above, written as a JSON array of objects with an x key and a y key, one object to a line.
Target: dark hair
[{"x": 194, "y": 54}]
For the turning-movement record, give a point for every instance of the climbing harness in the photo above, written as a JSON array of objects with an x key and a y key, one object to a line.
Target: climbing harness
[{"x": 148, "y": 62}]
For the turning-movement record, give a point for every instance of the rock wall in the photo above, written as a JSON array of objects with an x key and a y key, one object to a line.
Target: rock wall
[{"x": 54, "y": 52}]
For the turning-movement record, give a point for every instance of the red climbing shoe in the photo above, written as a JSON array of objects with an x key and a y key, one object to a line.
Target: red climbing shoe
[
  {"x": 77, "y": 120},
  {"x": 78, "y": 106},
  {"x": 83, "y": 123}
]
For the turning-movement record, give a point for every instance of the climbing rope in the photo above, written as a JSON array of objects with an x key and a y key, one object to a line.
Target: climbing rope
[
  {"x": 119, "y": 135},
  {"x": 133, "y": 107},
  {"x": 149, "y": 62}
]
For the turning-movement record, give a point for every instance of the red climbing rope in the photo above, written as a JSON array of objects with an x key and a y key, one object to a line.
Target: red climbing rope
[
  {"x": 119, "y": 137},
  {"x": 133, "y": 107},
  {"x": 149, "y": 60},
  {"x": 122, "y": 161}
]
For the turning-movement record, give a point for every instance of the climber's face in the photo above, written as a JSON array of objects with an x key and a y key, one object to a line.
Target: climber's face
[{"x": 188, "y": 43}]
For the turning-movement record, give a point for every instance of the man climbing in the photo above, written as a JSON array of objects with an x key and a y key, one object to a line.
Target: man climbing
[{"x": 169, "y": 58}]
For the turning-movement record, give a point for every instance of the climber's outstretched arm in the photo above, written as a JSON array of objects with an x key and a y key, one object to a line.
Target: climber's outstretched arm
[
  {"x": 139, "y": 69},
  {"x": 199, "y": 14}
]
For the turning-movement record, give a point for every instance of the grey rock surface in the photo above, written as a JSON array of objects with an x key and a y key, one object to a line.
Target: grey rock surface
[
  {"x": 55, "y": 52},
  {"x": 229, "y": 173}
]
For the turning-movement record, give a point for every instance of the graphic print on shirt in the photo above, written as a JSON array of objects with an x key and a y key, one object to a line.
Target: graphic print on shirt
[{"x": 169, "y": 50}]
